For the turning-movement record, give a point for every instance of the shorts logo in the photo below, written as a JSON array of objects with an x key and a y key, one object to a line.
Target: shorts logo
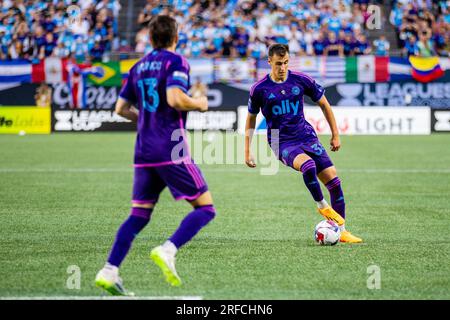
[
  {"x": 285, "y": 153},
  {"x": 296, "y": 90}
]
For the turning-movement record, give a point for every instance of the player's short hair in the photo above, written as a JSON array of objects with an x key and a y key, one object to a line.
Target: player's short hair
[
  {"x": 278, "y": 49},
  {"x": 163, "y": 31}
]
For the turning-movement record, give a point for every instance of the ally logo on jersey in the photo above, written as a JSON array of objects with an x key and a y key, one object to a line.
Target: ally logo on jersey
[{"x": 286, "y": 107}]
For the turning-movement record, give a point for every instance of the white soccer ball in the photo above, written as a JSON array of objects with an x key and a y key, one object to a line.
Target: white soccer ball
[{"x": 327, "y": 233}]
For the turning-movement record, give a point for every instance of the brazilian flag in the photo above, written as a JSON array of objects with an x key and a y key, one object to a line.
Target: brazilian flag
[{"x": 111, "y": 75}]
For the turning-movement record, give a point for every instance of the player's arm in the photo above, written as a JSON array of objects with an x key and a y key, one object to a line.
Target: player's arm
[
  {"x": 329, "y": 115},
  {"x": 249, "y": 130},
  {"x": 125, "y": 109},
  {"x": 179, "y": 100}
]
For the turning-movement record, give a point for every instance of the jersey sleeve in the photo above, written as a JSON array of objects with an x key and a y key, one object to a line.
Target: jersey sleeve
[
  {"x": 313, "y": 90},
  {"x": 254, "y": 104},
  {"x": 128, "y": 91},
  {"x": 178, "y": 74}
]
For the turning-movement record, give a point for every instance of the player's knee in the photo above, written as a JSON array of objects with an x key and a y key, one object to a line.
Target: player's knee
[
  {"x": 209, "y": 210},
  {"x": 149, "y": 205},
  {"x": 308, "y": 165},
  {"x": 300, "y": 160}
]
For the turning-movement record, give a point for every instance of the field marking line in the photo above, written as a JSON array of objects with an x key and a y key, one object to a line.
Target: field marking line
[
  {"x": 104, "y": 298},
  {"x": 228, "y": 170}
]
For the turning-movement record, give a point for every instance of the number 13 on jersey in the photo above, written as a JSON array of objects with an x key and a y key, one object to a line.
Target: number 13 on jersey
[{"x": 150, "y": 97}]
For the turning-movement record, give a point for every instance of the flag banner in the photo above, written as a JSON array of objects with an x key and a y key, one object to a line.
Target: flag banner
[
  {"x": 367, "y": 69},
  {"x": 426, "y": 69},
  {"x": 111, "y": 75},
  {"x": 125, "y": 66},
  {"x": 202, "y": 69},
  {"x": 15, "y": 71},
  {"x": 50, "y": 70},
  {"x": 234, "y": 70}
]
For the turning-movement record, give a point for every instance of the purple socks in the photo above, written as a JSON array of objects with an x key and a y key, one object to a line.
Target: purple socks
[
  {"x": 310, "y": 177},
  {"x": 140, "y": 217},
  {"x": 137, "y": 220},
  {"x": 336, "y": 196},
  {"x": 192, "y": 224}
]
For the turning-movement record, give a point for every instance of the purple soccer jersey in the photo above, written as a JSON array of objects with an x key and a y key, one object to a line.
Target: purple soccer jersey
[
  {"x": 160, "y": 127},
  {"x": 161, "y": 153},
  {"x": 282, "y": 106}
]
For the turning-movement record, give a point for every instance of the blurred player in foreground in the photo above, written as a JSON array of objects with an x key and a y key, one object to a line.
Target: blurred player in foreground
[
  {"x": 279, "y": 95},
  {"x": 158, "y": 86}
]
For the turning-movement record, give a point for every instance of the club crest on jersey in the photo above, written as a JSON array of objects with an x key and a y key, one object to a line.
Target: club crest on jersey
[
  {"x": 296, "y": 91},
  {"x": 286, "y": 107}
]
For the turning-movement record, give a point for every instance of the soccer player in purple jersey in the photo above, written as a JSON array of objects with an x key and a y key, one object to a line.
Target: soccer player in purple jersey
[
  {"x": 279, "y": 96},
  {"x": 155, "y": 96}
]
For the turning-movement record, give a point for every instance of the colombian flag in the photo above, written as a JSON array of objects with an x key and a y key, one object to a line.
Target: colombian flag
[{"x": 425, "y": 69}]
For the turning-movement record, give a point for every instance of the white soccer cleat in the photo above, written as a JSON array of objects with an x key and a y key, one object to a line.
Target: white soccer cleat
[
  {"x": 111, "y": 282},
  {"x": 165, "y": 260}
]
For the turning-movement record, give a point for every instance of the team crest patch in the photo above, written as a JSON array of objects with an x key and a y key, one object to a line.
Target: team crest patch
[{"x": 296, "y": 90}]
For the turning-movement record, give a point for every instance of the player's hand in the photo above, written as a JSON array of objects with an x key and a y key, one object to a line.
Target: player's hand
[
  {"x": 250, "y": 161},
  {"x": 335, "y": 143},
  {"x": 203, "y": 104}
]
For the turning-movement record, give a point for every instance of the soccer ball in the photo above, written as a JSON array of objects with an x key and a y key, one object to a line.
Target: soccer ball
[{"x": 327, "y": 233}]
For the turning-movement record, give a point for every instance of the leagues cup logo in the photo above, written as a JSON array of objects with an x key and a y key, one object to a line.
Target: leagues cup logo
[{"x": 74, "y": 14}]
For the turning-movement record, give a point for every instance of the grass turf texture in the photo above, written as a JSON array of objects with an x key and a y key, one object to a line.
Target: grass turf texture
[{"x": 62, "y": 198}]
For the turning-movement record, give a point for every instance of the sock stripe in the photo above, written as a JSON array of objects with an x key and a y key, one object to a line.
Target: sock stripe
[
  {"x": 308, "y": 165},
  {"x": 141, "y": 212},
  {"x": 333, "y": 183},
  {"x": 208, "y": 207}
]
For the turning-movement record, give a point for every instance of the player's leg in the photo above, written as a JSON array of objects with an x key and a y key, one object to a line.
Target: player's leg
[
  {"x": 185, "y": 181},
  {"x": 330, "y": 179},
  {"x": 307, "y": 166},
  {"x": 146, "y": 189}
]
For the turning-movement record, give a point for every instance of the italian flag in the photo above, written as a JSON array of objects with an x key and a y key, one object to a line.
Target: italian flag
[{"x": 367, "y": 69}]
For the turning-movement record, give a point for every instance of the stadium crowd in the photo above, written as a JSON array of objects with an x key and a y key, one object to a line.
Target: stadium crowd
[
  {"x": 423, "y": 26},
  {"x": 35, "y": 29},
  {"x": 246, "y": 28}
]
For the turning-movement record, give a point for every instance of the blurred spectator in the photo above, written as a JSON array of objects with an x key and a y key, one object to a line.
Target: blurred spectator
[
  {"x": 425, "y": 45},
  {"x": 362, "y": 46},
  {"x": 43, "y": 96},
  {"x": 319, "y": 45},
  {"x": 381, "y": 46},
  {"x": 198, "y": 89},
  {"x": 411, "y": 47},
  {"x": 333, "y": 46}
]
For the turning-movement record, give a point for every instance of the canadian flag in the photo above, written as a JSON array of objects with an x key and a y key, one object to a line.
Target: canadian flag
[{"x": 50, "y": 70}]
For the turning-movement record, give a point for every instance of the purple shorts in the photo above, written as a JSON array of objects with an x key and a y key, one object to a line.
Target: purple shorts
[
  {"x": 312, "y": 148},
  {"x": 185, "y": 181}
]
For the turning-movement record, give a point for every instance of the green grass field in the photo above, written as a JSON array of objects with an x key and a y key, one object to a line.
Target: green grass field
[{"x": 62, "y": 198}]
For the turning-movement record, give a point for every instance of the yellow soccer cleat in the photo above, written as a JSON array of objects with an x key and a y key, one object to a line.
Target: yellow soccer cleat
[
  {"x": 111, "y": 283},
  {"x": 166, "y": 262},
  {"x": 330, "y": 214},
  {"x": 346, "y": 236}
]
